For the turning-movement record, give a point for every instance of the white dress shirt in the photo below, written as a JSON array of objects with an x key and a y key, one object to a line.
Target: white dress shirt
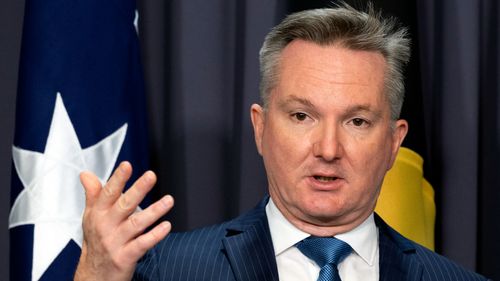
[{"x": 361, "y": 265}]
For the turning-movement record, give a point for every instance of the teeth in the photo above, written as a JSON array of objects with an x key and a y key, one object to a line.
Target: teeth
[{"x": 325, "y": 179}]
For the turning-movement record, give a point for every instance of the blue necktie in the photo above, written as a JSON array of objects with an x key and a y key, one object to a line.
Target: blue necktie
[{"x": 327, "y": 252}]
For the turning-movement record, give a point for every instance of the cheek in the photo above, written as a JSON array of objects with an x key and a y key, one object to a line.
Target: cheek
[
  {"x": 369, "y": 161},
  {"x": 285, "y": 156},
  {"x": 285, "y": 145}
]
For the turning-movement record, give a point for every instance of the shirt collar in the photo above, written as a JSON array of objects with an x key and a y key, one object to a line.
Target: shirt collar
[
  {"x": 284, "y": 234},
  {"x": 363, "y": 239}
]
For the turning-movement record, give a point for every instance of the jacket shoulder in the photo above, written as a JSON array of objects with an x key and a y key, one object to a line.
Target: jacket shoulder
[
  {"x": 184, "y": 253},
  {"x": 438, "y": 267},
  {"x": 415, "y": 258},
  {"x": 197, "y": 254}
]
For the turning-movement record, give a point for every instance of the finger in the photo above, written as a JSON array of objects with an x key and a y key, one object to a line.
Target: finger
[
  {"x": 138, "y": 222},
  {"x": 136, "y": 248},
  {"x": 114, "y": 187},
  {"x": 127, "y": 203},
  {"x": 92, "y": 187}
]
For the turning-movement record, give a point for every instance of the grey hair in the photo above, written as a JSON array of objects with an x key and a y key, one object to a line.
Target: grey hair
[{"x": 349, "y": 28}]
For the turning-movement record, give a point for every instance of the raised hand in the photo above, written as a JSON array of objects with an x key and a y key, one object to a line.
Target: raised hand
[{"x": 113, "y": 230}]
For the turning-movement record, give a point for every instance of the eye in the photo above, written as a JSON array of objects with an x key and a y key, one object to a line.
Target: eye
[
  {"x": 300, "y": 116},
  {"x": 359, "y": 122}
]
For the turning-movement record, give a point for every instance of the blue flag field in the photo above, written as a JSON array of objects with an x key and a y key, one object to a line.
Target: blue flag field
[{"x": 80, "y": 106}]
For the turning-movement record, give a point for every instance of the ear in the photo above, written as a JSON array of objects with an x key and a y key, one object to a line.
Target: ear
[
  {"x": 398, "y": 134},
  {"x": 258, "y": 118}
]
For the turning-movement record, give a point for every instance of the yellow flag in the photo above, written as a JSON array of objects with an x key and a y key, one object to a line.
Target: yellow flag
[{"x": 406, "y": 200}]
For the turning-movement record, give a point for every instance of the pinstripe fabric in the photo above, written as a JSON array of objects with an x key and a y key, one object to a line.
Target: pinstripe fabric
[
  {"x": 241, "y": 250},
  {"x": 402, "y": 259}
]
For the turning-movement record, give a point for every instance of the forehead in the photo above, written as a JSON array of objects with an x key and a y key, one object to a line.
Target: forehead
[{"x": 328, "y": 71}]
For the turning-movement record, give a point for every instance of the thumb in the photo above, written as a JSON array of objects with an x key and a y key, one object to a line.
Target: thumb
[{"x": 92, "y": 187}]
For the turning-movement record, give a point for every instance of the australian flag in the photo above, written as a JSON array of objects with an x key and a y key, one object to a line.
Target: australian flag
[{"x": 80, "y": 106}]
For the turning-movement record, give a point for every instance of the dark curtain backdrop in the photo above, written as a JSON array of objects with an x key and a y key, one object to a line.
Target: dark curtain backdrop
[
  {"x": 201, "y": 60},
  {"x": 202, "y": 75},
  {"x": 11, "y": 16},
  {"x": 460, "y": 60}
]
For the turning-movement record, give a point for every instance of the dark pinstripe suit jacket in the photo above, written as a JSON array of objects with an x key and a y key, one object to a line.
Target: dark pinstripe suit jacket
[{"x": 242, "y": 250}]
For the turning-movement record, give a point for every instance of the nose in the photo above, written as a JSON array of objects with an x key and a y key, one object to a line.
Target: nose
[{"x": 327, "y": 144}]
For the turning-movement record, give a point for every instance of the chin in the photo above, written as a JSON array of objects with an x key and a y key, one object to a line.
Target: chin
[
  {"x": 325, "y": 202},
  {"x": 325, "y": 213}
]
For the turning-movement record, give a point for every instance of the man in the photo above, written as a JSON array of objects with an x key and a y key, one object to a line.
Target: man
[{"x": 328, "y": 130}]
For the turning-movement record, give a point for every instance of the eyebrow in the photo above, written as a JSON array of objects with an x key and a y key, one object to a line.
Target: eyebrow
[
  {"x": 363, "y": 108},
  {"x": 294, "y": 99}
]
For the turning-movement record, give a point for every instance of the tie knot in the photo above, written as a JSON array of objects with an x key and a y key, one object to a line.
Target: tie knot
[{"x": 324, "y": 250}]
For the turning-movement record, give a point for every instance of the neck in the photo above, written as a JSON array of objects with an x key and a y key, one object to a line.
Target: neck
[{"x": 324, "y": 227}]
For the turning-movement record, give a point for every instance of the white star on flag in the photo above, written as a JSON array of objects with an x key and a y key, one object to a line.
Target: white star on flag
[{"x": 53, "y": 198}]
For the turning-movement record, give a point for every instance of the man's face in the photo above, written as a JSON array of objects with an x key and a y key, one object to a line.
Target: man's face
[{"x": 326, "y": 137}]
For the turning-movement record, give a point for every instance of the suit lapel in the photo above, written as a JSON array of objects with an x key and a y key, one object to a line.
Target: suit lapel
[
  {"x": 248, "y": 247},
  {"x": 397, "y": 255}
]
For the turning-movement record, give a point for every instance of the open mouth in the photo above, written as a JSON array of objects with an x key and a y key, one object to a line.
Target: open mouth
[{"x": 325, "y": 179}]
